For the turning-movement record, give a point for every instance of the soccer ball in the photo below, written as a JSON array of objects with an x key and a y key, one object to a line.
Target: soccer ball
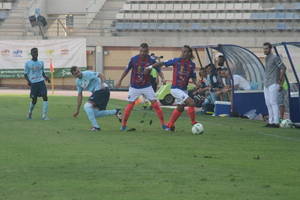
[
  {"x": 286, "y": 123},
  {"x": 197, "y": 129}
]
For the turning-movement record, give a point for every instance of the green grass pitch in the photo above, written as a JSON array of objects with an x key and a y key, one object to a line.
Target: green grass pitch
[{"x": 235, "y": 159}]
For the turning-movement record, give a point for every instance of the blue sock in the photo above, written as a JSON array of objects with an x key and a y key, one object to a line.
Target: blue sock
[
  {"x": 91, "y": 115},
  {"x": 102, "y": 113},
  {"x": 45, "y": 108}
]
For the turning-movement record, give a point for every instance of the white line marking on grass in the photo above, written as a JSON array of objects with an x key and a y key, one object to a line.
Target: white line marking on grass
[{"x": 281, "y": 137}]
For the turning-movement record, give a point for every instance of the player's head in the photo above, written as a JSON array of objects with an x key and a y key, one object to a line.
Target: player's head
[
  {"x": 202, "y": 72},
  {"x": 220, "y": 60},
  {"x": 267, "y": 48},
  {"x": 224, "y": 72},
  {"x": 34, "y": 53},
  {"x": 187, "y": 52},
  {"x": 75, "y": 71},
  {"x": 144, "y": 50},
  {"x": 210, "y": 68}
]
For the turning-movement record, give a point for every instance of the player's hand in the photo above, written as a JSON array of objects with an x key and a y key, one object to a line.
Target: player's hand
[
  {"x": 118, "y": 85},
  {"x": 164, "y": 82},
  {"x": 76, "y": 114},
  {"x": 47, "y": 79}
]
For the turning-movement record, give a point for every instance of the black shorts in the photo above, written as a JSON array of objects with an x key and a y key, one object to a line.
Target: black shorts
[
  {"x": 100, "y": 98},
  {"x": 38, "y": 89}
]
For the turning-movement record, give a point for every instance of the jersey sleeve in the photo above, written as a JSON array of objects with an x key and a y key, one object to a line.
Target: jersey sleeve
[
  {"x": 129, "y": 66},
  {"x": 170, "y": 62},
  {"x": 153, "y": 61},
  {"x": 95, "y": 75},
  {"x": 91, "y": 75},
  {"x": 79, "y": 88},
  {"x": 26, "y": 68},
  {"x": 42, "y": 64}
]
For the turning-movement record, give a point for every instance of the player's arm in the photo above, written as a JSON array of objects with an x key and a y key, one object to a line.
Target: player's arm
[
  {"x": 27, "y": 79},
  {"x": 79, "y": 102},
  {"x": 193, "y": 76},
  {"x": 26, "y": 71},
  {"x": 281, "y": 66},
  {"x": 157, "y": 66},
  {"x": 281, "y": 77},
  {"x": 102, "y": 77},
  {"x": 282, "y": 72},
  {"x": 160, "y": 73},
  {"x": 194, "y": 81},
  {"x": 44, "y": 75},
  {"x": 124, "y": 74}
]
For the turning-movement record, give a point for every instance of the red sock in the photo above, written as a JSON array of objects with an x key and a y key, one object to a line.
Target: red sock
[
  {"x": 174, "y": 116},
  {"x": 159, "y": 112},
  {"x": 127, "y": 112},
  {"x": 191, "y": 114}
]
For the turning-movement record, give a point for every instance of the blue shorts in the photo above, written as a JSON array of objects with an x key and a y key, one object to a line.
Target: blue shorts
[
  {"x": 100, "y": 98},
  {"x": 38, "y": 89}
]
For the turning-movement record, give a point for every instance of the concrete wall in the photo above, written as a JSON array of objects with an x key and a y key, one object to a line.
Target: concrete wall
[
  {"x": 21, "y": 83},
  {"x": 67, "y": 6},
  {"x": 175, "y": 40}
]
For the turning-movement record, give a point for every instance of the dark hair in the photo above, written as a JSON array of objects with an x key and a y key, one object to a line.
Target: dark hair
[
  {"x": 202, "y": 69},
  {"x": 190, "y": 50},
  {"x": 210, "y": 65},
  {"x": 34, "y": 49},
  {"x": 73, "y": 69},
  {"x": 144, "y": 45},
  {"x": 268, "y": 44}
]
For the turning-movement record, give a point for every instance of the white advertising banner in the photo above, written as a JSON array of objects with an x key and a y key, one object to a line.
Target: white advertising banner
[{"x": 64, "y": 53}]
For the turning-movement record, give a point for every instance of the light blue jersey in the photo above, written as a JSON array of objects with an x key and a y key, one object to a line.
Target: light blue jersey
[
  {"x": 89, "y": 81},
  {"x": 34, "y": 71}
]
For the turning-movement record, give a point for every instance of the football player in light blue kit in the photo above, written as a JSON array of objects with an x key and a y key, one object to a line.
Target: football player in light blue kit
[
  {"x": 96, "y": 105},
  {"x": 35, "y": 76}
]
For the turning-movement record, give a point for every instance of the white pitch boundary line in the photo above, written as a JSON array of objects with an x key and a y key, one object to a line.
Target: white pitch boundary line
[{"x": 281, "y": 137}]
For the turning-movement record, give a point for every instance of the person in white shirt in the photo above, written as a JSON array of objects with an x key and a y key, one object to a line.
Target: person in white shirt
[{"x": 240, "y": 83}]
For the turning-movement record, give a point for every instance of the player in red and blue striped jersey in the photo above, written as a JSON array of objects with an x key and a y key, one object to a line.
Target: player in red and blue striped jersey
[
  {"x": 140, "y": 84},
  {"x": 183, "y": 71}
]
